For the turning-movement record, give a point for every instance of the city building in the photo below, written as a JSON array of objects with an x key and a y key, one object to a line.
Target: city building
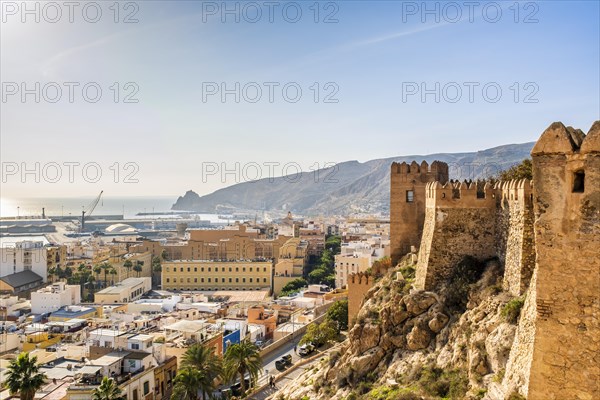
[
  {"x": 23, "y": 253},
  {"x": 217, "y": 275},
  {"x": 55, "y": 296},
  {"x": 126, "y": 291},
  {"x": 20, "y": 283}
]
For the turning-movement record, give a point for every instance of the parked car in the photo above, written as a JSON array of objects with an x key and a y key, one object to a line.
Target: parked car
[
  {"x": 236, "y": 389},
  {"x": 306, "y": 349},
  {"x": 283, "y": 362}
]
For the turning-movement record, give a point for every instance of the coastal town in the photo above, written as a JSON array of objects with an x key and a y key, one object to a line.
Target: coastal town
[{"x": 113, "y": 303}]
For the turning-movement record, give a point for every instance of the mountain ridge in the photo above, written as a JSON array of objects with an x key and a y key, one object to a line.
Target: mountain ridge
[{"x": 346, "y": 187}]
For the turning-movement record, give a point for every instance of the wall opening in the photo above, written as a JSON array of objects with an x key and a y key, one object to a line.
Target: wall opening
[
  {"x": 410, "y": 196},
  {"x": 579, "y": 181}
]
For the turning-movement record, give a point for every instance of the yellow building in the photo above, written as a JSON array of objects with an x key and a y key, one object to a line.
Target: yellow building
[
  {"x": 293, "y": 256},
  {"x": 56, "y": 256},
  {"x": 216, "y": 275}
]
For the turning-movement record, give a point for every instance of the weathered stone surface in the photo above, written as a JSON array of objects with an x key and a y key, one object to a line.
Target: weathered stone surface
[
  {"x": 418, "y": 338},
  {"x": 419, "y": 302},
  {"x": 438, "y": 322}
]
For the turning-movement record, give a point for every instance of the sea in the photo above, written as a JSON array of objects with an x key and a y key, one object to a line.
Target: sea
[{"x": 64, "y": 207}]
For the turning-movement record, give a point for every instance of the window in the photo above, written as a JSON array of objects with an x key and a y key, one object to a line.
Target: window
[
  {"x": 223, "y": 280},
  {"x": 410, "y": 196},
  {"x": 195, "y": 280},
  {"x": 208, "y": 280},
  {"x": 244, "y": 280},
  {"x": 135, "y": 394},
  {"x": 189, "y": 269},
  {"x": 208, "y": 269},
  {"x": 229, "y": 269},
  {"x": 181, "y": 269},
  {"x": 265, "y": 280},
  {"x": 195, "y": 269},
  {"x": 579, "y": 182},
  {"x": 202, "y": 269},
  {"x": 135, "y": 346},
  {"x": 265, "y": 269},
  {"x": 229, "y": 280},
  {"x": 250, "y": 280},
  {"x": 223, "y": 269},
  {"x": 237, "y": 280},
  {"x": 244, "y": 269},
  {"x": 167, "y": 269},
  {"x": 168, "y": 280},
  {"x": 146, "y": 387},
  {"x": 188, "y": 280},
  {"x": 250, "y": 269}
]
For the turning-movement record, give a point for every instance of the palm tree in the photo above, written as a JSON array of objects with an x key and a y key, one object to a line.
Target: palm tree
[
  {"x": 204, "y": 359},
  {"x": 90, "y": 283},
  {"x": 96, "y": 269},
  {"x": 128, "y": 264},
  {"x": 138, "y": 267},
  {"x": 113, "y": 272},
  {"x": 106, "y": 268},
  {"x": 51, "y": 272},
  {"x": 108, "y": 390},
  {"x": 24, "y": 376},
  {"x": 241, "y": 359},
  {"x": 186, "y": 384}
]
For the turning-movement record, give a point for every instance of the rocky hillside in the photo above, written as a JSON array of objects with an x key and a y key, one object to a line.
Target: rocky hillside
[
  {"x": 345, "y": 188},
  {"x": 406, "y": 345}
]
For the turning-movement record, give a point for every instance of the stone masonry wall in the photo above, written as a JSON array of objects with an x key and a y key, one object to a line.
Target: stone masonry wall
[
  {"x": 566, "y": 358},
  {"x": 514, "y": 234},
  {"x": 406, "y": 217},
  {"x": 457, "y": 224},
  {"x": 358, "y": 286}
]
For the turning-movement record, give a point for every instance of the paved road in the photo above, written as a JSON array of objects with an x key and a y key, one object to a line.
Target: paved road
[
  {"x": 264, "y": 394},
  {"x": 269, "y": 360}
]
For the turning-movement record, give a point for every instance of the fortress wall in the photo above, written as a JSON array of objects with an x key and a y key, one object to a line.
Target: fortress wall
[
  {"x": 407, "y": 217},
  {"x": 460, "y": 221},
  {"x": 566, "y": 358},
  {"x": 358, "y": 286},
  {"x": 514, "y": 234}
]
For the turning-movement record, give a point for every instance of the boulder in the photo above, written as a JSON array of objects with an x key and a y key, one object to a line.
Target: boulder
[
  {"x": 418, "y": 338},
  {"x": 419, "y": 302},
  {"x": 438, "y": 322}
]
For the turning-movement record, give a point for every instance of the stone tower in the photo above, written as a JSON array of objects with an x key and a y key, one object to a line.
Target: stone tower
[
  {"x": 566, "y": 346},
  {"x": 407, "y": 203}
]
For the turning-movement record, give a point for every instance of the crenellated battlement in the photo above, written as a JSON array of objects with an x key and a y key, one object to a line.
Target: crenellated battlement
[
  {"x": 360, "y": 278},
  {"x": 358, "y": 286},
  {"x": 520, "y": 191},
  {"x": 437, "y": 168},
  {"x": 465, "y": 194}
]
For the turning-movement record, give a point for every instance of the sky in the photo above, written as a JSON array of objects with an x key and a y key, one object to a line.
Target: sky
[{"x": 152, "y": 98}]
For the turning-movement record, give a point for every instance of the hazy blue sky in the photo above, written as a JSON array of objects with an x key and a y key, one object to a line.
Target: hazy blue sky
[{"x": 370, "y": 56}]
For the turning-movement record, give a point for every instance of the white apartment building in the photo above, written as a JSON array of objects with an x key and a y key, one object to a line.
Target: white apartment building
[
  {"x": 355, "y": 257},
  {"x": 55, "y": 296},
  {"x": 23, "y": 253}
]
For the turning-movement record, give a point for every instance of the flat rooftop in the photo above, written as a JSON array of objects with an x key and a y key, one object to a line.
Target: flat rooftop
[{"x": 127, "y": 283}]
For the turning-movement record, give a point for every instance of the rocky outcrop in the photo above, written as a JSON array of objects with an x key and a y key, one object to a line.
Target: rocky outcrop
[{"x": 402, "y": 334}]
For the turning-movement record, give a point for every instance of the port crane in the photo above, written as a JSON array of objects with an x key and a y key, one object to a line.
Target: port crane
[{"x": 89, "y": 210}]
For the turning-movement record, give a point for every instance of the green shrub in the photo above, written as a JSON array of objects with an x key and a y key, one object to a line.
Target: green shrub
[
  {"x": 463, "y": 275},
  {"x": 516, "y": 396},
  {"x": 451, "y": 384},
  {"x": 512, "y": 310},
  {"x": 408, "y": 272}
]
